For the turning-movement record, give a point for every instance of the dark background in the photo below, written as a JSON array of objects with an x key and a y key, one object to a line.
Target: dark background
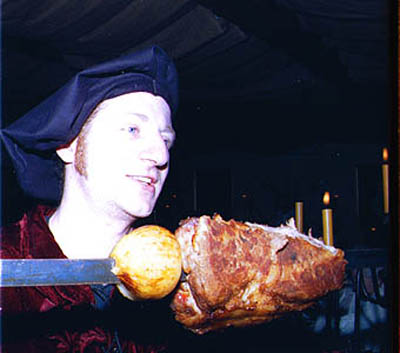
[
  {"x": 265, "y": 86},
  {"x": 281, "y": 101}
]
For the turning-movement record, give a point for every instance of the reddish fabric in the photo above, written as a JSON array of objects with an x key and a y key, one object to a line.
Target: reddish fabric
[
  {"x": 56, "y": 319},
  {"x": 31, "y": 238}
]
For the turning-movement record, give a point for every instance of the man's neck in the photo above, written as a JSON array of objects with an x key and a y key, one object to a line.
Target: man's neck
[{"x": 81, "y": 232}]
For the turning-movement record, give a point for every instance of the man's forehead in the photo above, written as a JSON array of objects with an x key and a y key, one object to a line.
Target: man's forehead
[{"x": 140, "y": 106}]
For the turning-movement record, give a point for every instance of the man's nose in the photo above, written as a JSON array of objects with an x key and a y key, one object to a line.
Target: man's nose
[{"x": 156, "y": 151}]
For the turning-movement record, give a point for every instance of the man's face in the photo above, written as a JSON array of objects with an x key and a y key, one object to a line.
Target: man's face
[{"x": 122, "y": 159}]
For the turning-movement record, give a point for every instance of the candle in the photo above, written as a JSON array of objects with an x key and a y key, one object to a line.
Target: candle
[
  {"x": 299, "y": 216},
  {"x": 385, "y": 181},
  {"x": 327, "y": 221}
]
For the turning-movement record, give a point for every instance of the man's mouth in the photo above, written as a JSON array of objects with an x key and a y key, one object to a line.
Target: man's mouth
[{"x": 144, "y": 179}]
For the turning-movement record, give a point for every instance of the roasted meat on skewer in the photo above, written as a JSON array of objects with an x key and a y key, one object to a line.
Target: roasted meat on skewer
[{"x": 240, "y": 274}]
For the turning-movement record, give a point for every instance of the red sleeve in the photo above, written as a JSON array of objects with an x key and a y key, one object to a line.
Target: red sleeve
[
  {"x": 37, "y": 299},
  {"x": 15, "y": 244}
]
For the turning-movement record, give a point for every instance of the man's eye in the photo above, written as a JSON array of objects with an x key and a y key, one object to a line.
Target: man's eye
[
  {"x": 133, "y": 130},
  {"x": 168, "y": 142}
]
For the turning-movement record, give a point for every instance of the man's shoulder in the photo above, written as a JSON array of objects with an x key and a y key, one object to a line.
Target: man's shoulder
[
  {"x": 11, "y": 239},
  {"x": 15, "y": 235}
]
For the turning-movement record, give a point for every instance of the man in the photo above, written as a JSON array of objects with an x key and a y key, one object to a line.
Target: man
[{"x": 99, "y": 149}]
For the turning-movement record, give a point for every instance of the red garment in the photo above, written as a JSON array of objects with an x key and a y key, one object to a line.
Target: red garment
[{"x": 64, "y": 318}]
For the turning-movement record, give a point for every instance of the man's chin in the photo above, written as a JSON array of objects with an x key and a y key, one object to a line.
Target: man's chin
[{"x": 143, "y": 213}]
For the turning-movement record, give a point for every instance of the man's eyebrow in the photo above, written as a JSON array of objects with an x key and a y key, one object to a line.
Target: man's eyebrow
[{"x": 141, "y": 116}]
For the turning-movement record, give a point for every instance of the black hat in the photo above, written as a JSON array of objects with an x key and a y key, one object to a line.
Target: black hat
[{"x": 32, "y": 140}]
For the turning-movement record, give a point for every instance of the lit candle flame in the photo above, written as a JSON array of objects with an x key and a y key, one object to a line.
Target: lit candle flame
[
  {"x": 326, "y": 198},
  {"x": 385, "y": 154},
  {"x": 385, "y": 180}
]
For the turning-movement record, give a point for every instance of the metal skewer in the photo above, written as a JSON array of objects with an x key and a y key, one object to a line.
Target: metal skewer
[{"x": 53, "y": 272}]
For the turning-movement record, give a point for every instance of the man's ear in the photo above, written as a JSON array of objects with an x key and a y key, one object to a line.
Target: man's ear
[{"x": 67, "y": 153}]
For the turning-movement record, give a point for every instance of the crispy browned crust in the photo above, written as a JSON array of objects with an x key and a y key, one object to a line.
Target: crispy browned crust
[{"x": 241, "y": 274}]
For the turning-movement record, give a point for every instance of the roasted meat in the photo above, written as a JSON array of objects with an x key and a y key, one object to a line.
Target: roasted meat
[{"x": 240, "y": 274}]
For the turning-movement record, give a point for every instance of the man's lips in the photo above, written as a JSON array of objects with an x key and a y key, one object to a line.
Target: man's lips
[
  {"x": 144, "y": 179},
  {"x": 147, "y": 181}
]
